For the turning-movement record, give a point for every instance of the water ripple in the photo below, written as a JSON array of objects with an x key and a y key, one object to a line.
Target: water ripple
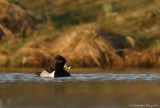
[{"x": 26, "y": 77}]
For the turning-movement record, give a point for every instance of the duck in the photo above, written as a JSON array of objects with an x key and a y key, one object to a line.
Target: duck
[{"x": 58, "y": 69}]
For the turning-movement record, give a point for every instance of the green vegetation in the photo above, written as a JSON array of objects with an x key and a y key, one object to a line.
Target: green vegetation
[{"x": 130, "y": 29}]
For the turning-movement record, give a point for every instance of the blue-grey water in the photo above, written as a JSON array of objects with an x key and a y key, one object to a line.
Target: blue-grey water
[
  {"x": 99, "y": 77},
  {"x": 81, "y": 90}
]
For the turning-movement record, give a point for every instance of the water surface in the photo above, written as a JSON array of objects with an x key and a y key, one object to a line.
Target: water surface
[{"x": 99, "y": 89}]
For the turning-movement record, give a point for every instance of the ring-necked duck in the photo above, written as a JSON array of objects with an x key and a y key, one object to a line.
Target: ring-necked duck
[{"x": 58, "y": 70}]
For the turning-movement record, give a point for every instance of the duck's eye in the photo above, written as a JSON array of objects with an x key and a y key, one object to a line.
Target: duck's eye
[{"x": 60, "y": 61}]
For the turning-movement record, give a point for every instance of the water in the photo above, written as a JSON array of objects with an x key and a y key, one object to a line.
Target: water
[
  {"x": 88, "y": 77},
  {"x": 82, "y": 90}
]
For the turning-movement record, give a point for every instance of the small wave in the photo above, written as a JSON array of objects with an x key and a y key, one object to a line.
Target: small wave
[{"x": 26, "y": 77}]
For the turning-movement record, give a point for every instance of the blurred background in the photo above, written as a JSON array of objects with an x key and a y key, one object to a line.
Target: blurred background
[
  {"x": 104, "y": 40},
  {"x": 88, "y": 33}
]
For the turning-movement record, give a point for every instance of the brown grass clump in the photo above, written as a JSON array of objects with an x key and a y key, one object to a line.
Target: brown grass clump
[
  {"x": 147, "y": 59},
  {"x": 3, "y": 60},
  {"x": 83, "y": 47},
  {"x": 5, "y": 31},
  {"x": 14, "y": 20},
  {"x": 30, "y": 57}
]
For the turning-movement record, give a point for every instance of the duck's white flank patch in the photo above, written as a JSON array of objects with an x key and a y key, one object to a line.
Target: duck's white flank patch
[{"x": 47, "y": 74}]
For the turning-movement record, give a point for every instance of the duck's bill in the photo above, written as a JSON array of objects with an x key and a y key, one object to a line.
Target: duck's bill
[{"x": 68, "y": 66}]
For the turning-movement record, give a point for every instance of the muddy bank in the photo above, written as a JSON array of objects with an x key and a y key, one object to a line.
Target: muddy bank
[
  {"x": 26, "y": 43},
  {"x": 83, "y": 46}
]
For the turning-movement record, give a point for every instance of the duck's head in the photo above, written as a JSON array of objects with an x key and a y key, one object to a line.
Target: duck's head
[{"x": 60, "y": 63}]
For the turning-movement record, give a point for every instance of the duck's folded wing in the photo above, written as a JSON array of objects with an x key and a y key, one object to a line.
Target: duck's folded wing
[
  {"x": 49, "y": 70},
  {"x": 38, "y": 73}
]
